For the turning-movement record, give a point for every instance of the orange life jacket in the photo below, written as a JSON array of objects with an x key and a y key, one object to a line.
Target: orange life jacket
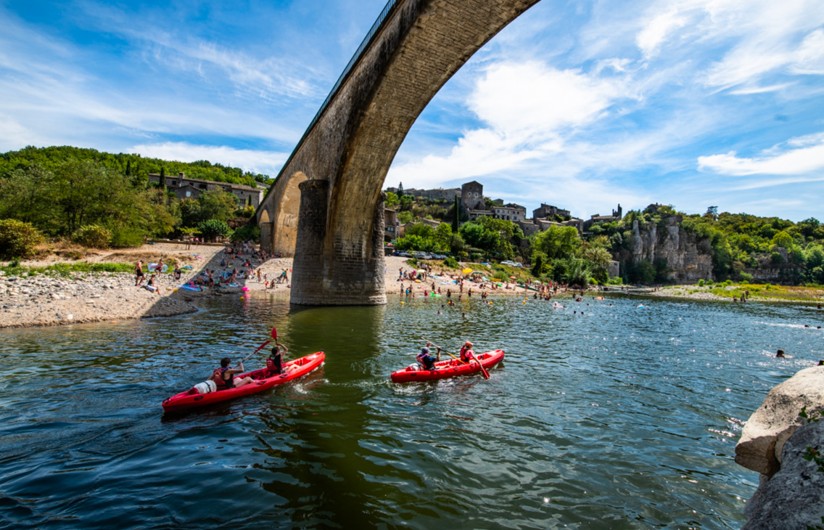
[
  {"x": 218, "y": 378},
  {"x": 466, "y": 354}
]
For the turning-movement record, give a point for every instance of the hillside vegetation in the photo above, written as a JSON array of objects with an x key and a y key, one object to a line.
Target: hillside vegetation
[
  {"x": 742, "y": 247},
  {"x": 99, "y": 200}
]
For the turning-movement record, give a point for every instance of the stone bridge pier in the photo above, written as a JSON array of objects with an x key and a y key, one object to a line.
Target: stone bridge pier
[
  {"x": 354, "y": 272},
  {"x": 326, "y": 206}
]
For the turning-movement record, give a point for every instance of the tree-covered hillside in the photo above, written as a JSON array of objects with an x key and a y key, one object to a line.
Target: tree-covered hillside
[
  {"x": 741, "y": 246},
  {"x": 100, "y": 199},
  {"x": 131, "y": 165}
]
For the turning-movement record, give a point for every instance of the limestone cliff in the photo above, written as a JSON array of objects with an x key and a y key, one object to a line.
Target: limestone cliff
[{"x": 684, "y": 256}]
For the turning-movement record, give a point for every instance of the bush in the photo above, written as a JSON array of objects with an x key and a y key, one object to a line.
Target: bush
[
  {"x": 127, "y": 237},
  {"x": 248, "y": 232},
  {"x": 92, "y": 236},
  {"x": 18, "y": 239},
  {"x": 451, "y": 262},
  {"x": 214, "y": 229},
  {"x": 247, "y": 212}
]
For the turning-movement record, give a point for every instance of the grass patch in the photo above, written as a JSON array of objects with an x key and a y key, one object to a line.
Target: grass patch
[
  {"x": 65, "y": 269},
  {"x": 770, "y": 292}
]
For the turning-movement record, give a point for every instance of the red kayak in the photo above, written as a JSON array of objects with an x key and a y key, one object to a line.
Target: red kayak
[
  {"x": 451, "y": 368},
  {"x": 193, "y": 398}
]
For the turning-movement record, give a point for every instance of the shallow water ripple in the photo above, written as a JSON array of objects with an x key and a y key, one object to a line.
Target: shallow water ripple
[{"x": 603, "y": 415}]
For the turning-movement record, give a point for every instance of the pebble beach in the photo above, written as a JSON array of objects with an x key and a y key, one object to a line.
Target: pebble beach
[{"x": 49, "y": 300}]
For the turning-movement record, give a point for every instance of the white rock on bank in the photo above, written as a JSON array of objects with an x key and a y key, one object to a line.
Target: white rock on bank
[{"x": 769, "y": 427}]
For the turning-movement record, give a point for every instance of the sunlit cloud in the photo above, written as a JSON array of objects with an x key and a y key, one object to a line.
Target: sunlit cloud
[
  {"x": 525, "y": 108},
  {"x": 249, "y": 160},
  {"x": 799, "y": 156},
  {"x": 657, "y": 30}
]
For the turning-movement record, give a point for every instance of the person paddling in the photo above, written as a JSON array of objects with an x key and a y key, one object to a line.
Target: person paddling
[
  {"x": 224, "y": 377},
  {"x": 466, "y": 353},
  {"x": 274, "y": 364},
  {"x": 426, "y": 359}
]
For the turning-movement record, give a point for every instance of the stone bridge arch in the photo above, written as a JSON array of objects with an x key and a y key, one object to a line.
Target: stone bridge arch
[{"x": 342, "y": 160}]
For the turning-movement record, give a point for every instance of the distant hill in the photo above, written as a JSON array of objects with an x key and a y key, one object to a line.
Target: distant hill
[{"x": 127, "y": 164}]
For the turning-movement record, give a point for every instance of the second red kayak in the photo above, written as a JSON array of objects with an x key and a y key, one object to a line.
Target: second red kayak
[
  {"x": 193, "y": 398},
  {"x": 445, "y": 369}
]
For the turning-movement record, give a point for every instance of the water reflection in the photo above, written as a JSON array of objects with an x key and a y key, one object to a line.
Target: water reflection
[{"x": 603, "y": 415}]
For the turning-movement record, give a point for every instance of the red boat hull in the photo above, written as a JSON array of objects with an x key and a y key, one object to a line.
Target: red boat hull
[
  {"x": 191, "y": 398},
  {"x": 445, "y": 369}
]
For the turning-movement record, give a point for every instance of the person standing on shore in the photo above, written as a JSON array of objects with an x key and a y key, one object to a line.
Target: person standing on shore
[{"x": 138, "y": 273}]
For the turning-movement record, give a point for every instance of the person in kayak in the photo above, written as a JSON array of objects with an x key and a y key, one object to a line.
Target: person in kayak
[
  {"x": 466, "y": 353},
  {"x": 274, "y": 364},
  {"x": 224, "y": 377},
  {"x": 426, "y": 359}
]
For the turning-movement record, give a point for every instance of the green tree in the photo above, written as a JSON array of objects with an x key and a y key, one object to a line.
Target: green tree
[
  {"x": 213, "y": 229},
  {"x": 217, "y": 204},
  {"x": 498, "y": 238},
  {"x": 391, "y": 200},
  {"x": 558, "y": 242},
  {"x": 443, "y": 238},
  {"x": 30, "y": 195}
]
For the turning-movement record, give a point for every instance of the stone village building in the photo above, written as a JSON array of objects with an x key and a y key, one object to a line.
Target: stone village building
[
  {"x": 471, "y": 195},
  {"x": 189, "y": 188}
]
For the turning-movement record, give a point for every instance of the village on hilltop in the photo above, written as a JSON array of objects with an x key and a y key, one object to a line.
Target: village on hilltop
[{"x": 472, "y": 201}]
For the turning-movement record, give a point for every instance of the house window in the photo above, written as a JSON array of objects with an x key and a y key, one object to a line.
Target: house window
[{"x": 188, "y": 193}]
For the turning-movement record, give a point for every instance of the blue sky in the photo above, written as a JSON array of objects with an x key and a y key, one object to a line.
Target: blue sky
[{"x": 578, "y": 104}]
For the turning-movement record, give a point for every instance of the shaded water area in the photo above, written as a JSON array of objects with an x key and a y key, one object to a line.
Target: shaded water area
[{"x": 604, "y": 415}]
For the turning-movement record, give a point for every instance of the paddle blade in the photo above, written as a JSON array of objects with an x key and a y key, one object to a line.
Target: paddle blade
[{"x": 274, "y": 333}]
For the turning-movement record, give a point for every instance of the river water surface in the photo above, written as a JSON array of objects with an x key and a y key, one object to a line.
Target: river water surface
[{"x": 622, "y": 413}]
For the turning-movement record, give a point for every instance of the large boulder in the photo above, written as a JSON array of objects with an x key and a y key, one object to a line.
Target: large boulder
[
  {"x": 794, "y": 496},
  {"x": 769, "y": 427}
]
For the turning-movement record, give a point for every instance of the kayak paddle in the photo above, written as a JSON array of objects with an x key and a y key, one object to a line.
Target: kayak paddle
[{"x": 274, "y": 335}]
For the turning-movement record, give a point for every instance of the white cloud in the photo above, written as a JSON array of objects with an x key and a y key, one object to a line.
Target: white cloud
[
  {"x": 809, "y": 58},
  {"x": 266, "y": 162},
  {"x": 658, "y": 30},
  {"x": 526, "y": 99},
  {"x": 800, "y": 156},
  {"x": 525, "y": 106},
  {"x": 768, "y": 37}
]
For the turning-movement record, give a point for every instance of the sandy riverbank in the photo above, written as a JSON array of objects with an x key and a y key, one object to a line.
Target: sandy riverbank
[{"x": 44, "y": 300}]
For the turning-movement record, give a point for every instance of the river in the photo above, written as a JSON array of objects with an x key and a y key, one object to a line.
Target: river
[{"x": 621, "y": 413}]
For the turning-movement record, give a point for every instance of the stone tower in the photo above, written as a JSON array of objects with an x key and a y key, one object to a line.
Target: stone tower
[{"x": 472, "y": 196}]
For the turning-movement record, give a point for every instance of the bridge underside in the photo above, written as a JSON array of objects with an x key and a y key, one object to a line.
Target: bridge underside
[{"x": 340, "y": 165}]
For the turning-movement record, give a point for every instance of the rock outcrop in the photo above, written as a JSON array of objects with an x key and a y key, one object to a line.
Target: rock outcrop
[
  {"x": 794, "y": 496},
  {"x": 686, "y": 256},
  {"x": 775, "y": 442}
]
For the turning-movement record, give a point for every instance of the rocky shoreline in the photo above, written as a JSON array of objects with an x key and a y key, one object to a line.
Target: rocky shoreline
[
  {"x": 48, "y": 300},
  {"x": 45, "y": 300}
]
